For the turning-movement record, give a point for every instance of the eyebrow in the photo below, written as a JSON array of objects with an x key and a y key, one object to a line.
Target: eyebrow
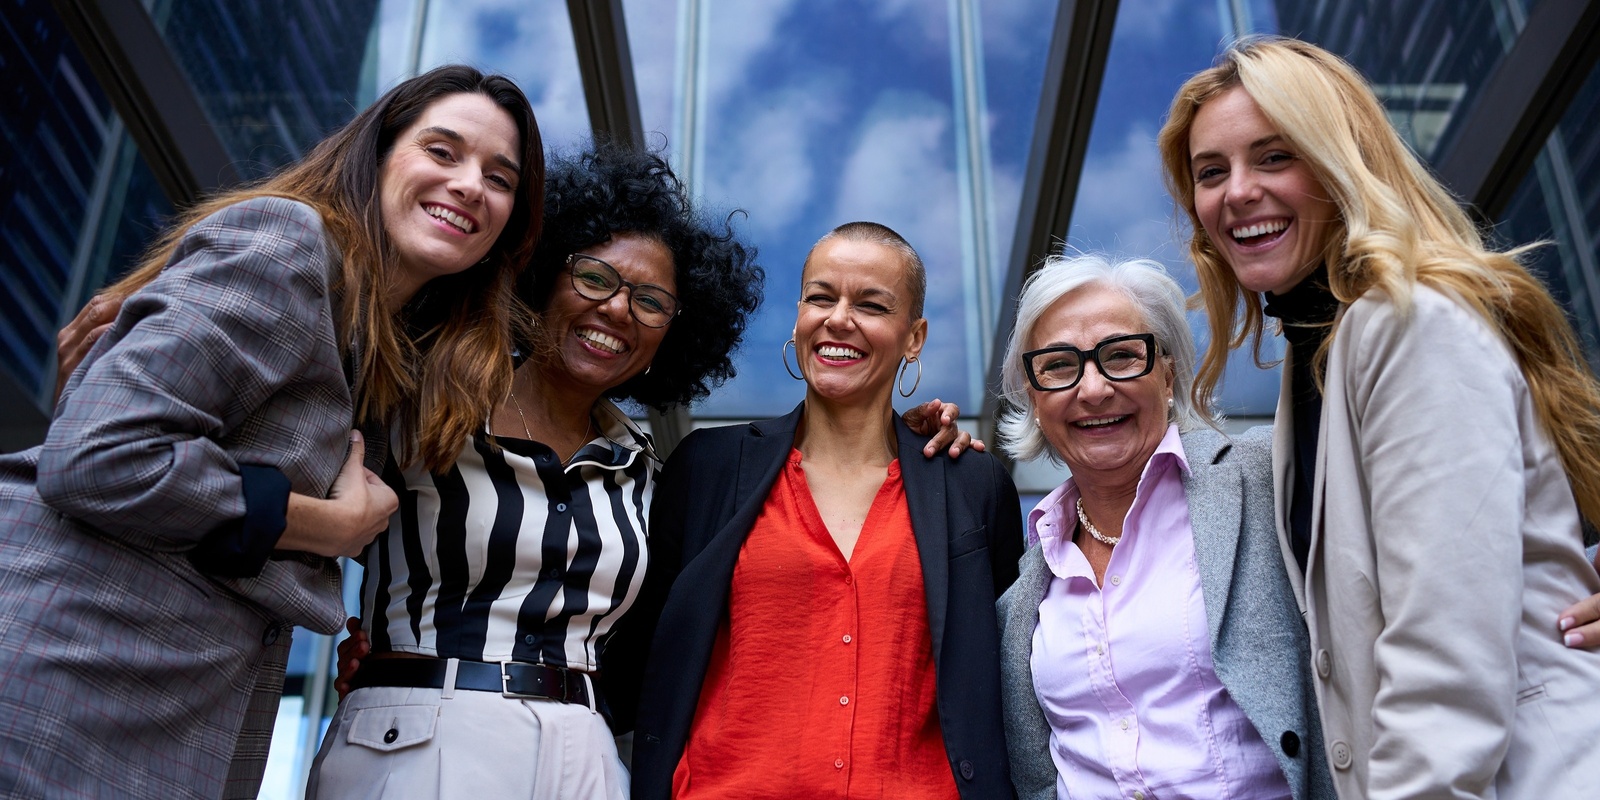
[
  {"x": 498, "y": 158},
  {"x": 868, "y": 292},
  {"x": 1255, "y": 145}
]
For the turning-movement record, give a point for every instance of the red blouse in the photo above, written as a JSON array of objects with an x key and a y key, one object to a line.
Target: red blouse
[{"x": 821, "y": 683}]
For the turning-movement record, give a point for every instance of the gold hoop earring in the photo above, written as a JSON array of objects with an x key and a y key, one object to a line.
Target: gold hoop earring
[
  {"x": 900, "y": 382},
  {"x": 783, "y": 353}
]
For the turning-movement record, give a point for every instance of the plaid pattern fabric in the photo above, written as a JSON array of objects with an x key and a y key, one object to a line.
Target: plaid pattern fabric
[{"x": 123, "y": 671}]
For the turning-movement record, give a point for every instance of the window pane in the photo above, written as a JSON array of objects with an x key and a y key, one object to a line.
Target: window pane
[
  {"x": 808, "y": 115},
  {"x": 81, "y": 203}
]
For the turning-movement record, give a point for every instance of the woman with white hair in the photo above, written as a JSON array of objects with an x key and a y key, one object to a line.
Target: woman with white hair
[{"x": 1151, "y": 645}]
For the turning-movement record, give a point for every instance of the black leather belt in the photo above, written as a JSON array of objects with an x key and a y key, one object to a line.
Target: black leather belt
[{"x": 514, "y": 679}]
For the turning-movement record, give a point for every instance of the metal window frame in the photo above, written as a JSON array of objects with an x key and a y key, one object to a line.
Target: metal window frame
[
  {"x": 1520, "y": 104},
  {"x": 1079, "y": 48},
  {"x": 152, "y": 95},
  {"x": 605, "y": 62}
]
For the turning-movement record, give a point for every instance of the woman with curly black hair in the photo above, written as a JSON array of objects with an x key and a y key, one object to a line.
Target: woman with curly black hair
[{"x": 498, "y": 582}]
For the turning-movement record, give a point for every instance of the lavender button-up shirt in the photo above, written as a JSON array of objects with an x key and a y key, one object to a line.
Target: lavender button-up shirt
[{"x": 1123, "y": 671}]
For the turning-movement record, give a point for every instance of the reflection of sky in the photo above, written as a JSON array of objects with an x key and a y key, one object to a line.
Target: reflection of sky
[
  {"x": 817, "y": 113},
  {"x": 1122, "y": 206},
  {"x": 530, "y": 42}
]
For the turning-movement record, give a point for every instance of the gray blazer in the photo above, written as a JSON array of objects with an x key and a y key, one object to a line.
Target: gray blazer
[
  {"x": 1258, "y": 641},
  {"x": 125, "y": 669}
]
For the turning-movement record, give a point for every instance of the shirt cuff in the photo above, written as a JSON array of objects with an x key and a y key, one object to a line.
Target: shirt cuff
[{"x": 240, "y": 548}]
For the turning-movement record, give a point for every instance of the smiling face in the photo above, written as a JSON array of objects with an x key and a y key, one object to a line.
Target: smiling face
[
  {"x": 1104, "y": 430},
  {"x": 448, "y": 186},
  {"x": 598, "y": 344},
  {"x": 1259, "y": 202},
  {"x": 854, "y": 322}
]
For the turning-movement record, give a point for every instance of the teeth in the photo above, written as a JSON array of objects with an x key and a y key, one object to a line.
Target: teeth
[
  {"x": 1097, "y": 423},
  {"x": 835, "y": 351},
  {"x": 449, "y": 216},
  {"x": 601, "y": 340},
  {"x": 1259, "y": 229}
]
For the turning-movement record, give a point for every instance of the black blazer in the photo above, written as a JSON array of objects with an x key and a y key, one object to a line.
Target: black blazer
[{"x": 968, "y": 525}]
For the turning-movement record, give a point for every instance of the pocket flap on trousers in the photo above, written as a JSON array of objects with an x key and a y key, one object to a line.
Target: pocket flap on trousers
[{"x": 393, "y": 727}]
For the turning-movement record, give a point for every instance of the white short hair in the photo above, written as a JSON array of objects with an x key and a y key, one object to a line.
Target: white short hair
[{"x": 1158, "y": 298}]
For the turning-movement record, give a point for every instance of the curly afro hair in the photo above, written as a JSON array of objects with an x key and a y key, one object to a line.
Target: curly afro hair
[{"x": 612, "y": 189}]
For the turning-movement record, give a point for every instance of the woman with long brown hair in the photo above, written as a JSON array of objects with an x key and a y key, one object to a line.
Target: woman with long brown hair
[
  {"x": 1438, "y": 436},
  {"x": 187, "y": 506}
]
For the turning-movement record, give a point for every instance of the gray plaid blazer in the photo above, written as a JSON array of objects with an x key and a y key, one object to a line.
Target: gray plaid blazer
[{"x": 124, "y": 670}]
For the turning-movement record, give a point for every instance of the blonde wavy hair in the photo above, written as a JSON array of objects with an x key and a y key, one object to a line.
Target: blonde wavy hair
[{"x": 1398, "y": 227}]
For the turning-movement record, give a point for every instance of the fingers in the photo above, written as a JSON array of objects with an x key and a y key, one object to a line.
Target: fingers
[
  {"x": 75, "y": 341},
  {"x": 1580, "y": 624}
]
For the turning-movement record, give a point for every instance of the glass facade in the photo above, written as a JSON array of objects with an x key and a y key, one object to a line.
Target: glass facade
[
  {"x": 809, "y": 115},
  {"x": 1559, "y": 203},
  {"x": 803, "y": 115},
  {"x": 80, "y": 201}
]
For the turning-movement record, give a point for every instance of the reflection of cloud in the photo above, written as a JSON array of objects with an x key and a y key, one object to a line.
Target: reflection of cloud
[
  {"x": 653, "y": 46},
  {"x": 1149, "y": 20},
  {"x": 740, "y": 32},
  {"x": 900, "y": 174},
  {"x": 530, "y": 42},
  {"x": 1122, "y": 206},
  {"x": 765, "y": 165}
]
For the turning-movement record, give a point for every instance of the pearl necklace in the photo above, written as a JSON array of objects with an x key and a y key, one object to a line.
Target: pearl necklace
[{"x": 1093, "y": 531}]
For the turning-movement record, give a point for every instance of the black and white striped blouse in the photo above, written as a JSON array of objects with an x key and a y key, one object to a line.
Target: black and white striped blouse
[{"x": 510, "y": 555}]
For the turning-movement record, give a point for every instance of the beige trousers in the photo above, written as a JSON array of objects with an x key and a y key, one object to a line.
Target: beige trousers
[{"x": 416, "y": 744}]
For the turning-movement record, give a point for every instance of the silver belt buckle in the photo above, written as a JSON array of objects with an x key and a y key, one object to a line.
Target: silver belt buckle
[{"x": 505, "y": 685}]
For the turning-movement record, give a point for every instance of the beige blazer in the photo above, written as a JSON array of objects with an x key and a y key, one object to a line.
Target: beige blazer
[{"x": 1445, "y": 543}]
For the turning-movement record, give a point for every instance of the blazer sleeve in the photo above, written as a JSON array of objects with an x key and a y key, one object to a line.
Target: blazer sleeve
[
  {"x": 626, "y": 652},
  {"x": 1005, "y": 528},
  {"x": 138, "y": 445},
  {"x": 1435, "y": 399}
]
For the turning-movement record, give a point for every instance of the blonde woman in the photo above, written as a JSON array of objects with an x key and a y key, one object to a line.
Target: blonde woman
[{"x": 1438, "y": 436}]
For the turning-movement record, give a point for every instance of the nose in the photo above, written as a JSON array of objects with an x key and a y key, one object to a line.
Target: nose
[
  {"x": 615, "y": 307},
  {"x": 1243, "y": 187},
  {"x": 1093, "y": 388},
  {"x": 839, "y": 318},
  {"x": 466, "y": 184}
]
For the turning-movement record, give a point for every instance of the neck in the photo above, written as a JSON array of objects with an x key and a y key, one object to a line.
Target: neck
[
  {"x": 841, "y": 434},
  {"x": 552, "y": 406},
  {"x": 1107, "y": 502}
]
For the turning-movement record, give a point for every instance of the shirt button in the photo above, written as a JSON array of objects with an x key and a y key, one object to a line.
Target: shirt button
[
  {"x": 269, "y": 637},
  {"x": 1324, "y": 663},
  {"x": 390, "y": 735},
  {"x": 1124, "y": 723},
  {"x": 529, "y": 639},
  {"x": 1116, "y": 580},
  {"x": 1138, "y": 796},
  {"x": 847, "y": 638},
  {"x": 848, "y": 580},
  {"x": 838, "y": 763},
  {"x": 561, "y": 507},
  {"x": 844, "y": 701},
  {"x": 1099, "y": 649}
]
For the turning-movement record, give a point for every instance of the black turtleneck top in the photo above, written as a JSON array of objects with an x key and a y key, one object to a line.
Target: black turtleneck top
[{"x": 1307, "y": 313}]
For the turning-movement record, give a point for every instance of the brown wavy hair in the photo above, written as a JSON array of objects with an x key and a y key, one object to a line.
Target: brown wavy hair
[
  {"x": 1398, "y": 227},
  {"x": 437, "y": 367}
]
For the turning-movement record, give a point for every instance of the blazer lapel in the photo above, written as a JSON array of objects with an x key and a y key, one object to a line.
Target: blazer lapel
[
  {"x": 1215, "y": 493},
  {"x": 925, "y": 497}
]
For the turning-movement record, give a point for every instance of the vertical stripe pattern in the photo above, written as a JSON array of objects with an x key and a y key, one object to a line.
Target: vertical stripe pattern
[{"x": 512, "y": 555}]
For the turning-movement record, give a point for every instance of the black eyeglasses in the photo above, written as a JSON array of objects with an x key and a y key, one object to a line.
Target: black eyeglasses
[
  {"x": 594, "y": 279},
  {"x": 1120, "y": 358}
]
